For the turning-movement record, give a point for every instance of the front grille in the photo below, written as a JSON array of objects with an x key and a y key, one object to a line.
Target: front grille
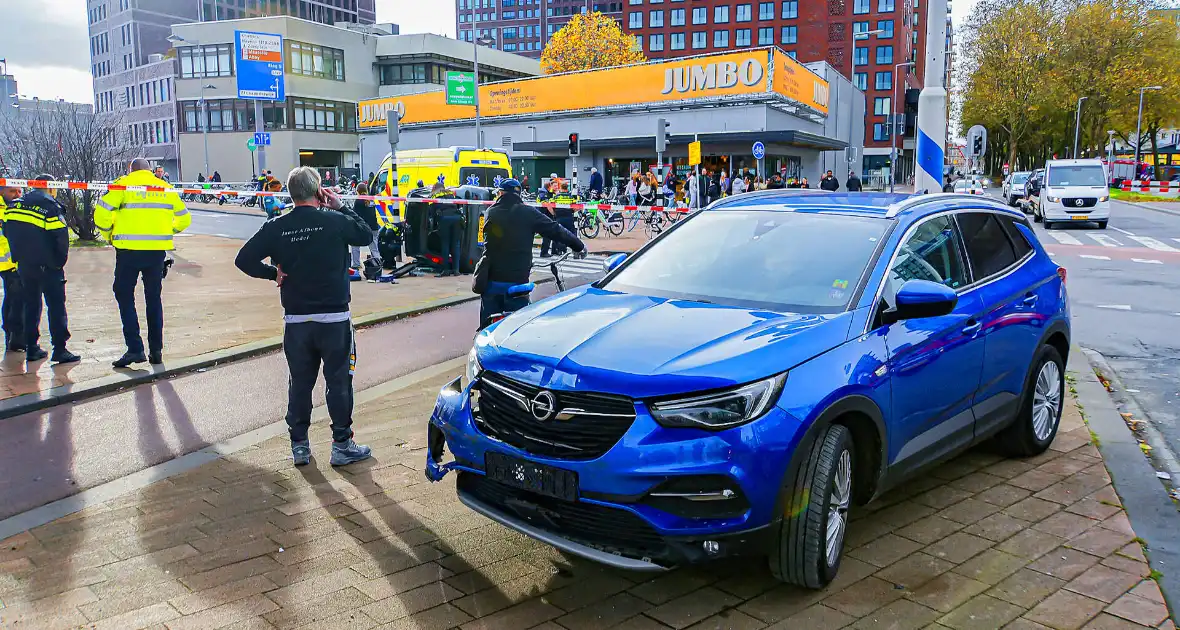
[
  {"x": 608, "y": 529},
  {"x": 1071, "y": 203},
  {"x": 584, "y": 426}
]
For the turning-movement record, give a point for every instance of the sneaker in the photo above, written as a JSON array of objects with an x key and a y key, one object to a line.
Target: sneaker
[
  {"x": 16, "y": 347},
  {"x": 65, "y": 356},
  {"x": 156, "y": 358},
  {"x": 344, "y": 453},
  {"x": 127, "y": 359},
  {"x": 36, "y": 353},
  {"x": 301, "y": 453}
]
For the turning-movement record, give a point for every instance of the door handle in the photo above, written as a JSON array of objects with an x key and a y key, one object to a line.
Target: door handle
[
  {"x": 972, "y": 327},
  {"x": 1030, "y": 300}
]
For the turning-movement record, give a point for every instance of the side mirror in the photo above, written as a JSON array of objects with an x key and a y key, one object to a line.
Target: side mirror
[
  {"x": 921, "y": 298},
  {"x": 611, "y": 263}
]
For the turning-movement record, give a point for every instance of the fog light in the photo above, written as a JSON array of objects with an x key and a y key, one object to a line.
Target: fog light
[{"x": 712, "y": 547}]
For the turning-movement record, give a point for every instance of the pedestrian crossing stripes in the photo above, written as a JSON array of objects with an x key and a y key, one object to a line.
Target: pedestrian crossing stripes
[
  {"x": 572, "y": 267},
  {"x": 1147, "y": 241},
  {"x": 1106, "y": 240},
  {"x": 1063, "y": 238}
]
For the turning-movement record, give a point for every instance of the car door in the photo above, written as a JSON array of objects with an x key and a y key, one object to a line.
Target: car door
[
  {"x": 935, "y": 362},
  {"x": 1009, "y": 292}
]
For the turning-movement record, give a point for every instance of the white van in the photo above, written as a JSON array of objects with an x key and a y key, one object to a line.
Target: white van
[{"x": 1071, "y": 191}]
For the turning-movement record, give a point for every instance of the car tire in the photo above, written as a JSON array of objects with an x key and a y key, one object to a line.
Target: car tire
[
  {"x": 1036, "y": 216},
  {"x": 1048, "y": 224},
  {"x": 1102, "y": 225},
  {"x": 1040, "y": 409},
  {"x": 807, "y": 550}
]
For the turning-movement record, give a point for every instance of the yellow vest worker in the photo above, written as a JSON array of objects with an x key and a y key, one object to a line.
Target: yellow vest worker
[
  {"x": 141, "y": 225},
  {"x": 13, "y": 314}
]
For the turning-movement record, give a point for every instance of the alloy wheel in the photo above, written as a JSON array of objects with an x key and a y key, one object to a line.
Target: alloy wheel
[
  {"x": 1046, "y": 400},
  {"x": 838, "y": 507}
]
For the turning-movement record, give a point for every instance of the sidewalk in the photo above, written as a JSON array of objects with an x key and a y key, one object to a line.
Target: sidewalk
[
  {"x": 250, "y": 542},
  {"x": 208, "y": 305}
]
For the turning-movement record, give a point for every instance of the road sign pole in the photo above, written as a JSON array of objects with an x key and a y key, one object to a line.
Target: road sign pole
[{"x": 259, "y": 127}]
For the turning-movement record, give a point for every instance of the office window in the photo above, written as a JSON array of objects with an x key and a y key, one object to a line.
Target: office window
[
  {"x": 860, "y": 56},
  {"x": 677, "y": 17},
  {"x": 635, "y": 20},
  {"x": 884, "y": 54},
  {"x": 881, "y": 106},
  {"x": 887, "y": 26},
  {"x": 743, "y": 13},
  {"x": 885, "y": 6},
  {"x": 638, "y": 42},
  {"x": 792, "y": 54},
  {"x": 314, "y": 60},
  {"x": 721, "y": 15},
  {"x": 197, "y": 62},
  {"x": 858, "y": 28},
  {"x": 700, "y": 15},
  {"x": 880, "y": 131},
  {"x": 700, "y": 39},
  {"x": 766, "y": 11},
  {"x": 656, "y": 42},
  {"x": 742, "y": 37},
  {"x": 319, "y": 115},
  {"x": 790, "y": 9},
  {"x": 720, "y": 39},
  {"x": 677, "y": 41},
  {"x": 765, "y": 36},
  {"x": 860, "y": 7},
  {"x": 884, "y": 80},
  {"x": 790, "y": 34},
  {"x": 656, "y": 19}
]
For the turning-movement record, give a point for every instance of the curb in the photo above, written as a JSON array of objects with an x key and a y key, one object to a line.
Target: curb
[
  {"x": 66, "y": 394},
  {"x": 1152, "y": 514}
]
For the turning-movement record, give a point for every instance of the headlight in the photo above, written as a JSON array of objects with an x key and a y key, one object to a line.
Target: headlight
[
  {"x": 1103, "y": 198},
  {"x": 1052, "y": 199},
  {"x": 474, "y": 369},
  {"x": 720, "y": 410}
]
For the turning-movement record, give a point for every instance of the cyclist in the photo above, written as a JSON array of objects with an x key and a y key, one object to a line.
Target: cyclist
[{"x": 509, "y": 231}]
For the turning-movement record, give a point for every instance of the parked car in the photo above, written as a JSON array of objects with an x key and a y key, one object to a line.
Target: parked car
[
  {"x": 1072, "y": 191},
  {"x": 738, "y": 385},
  {"x": 968, "y": 187},
  {"x": 1013, "y": 188}
]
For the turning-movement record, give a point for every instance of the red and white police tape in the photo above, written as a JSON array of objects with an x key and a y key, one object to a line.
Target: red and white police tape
[
  {"x": 104, "y": 187},
  {"x": 1144, "y": 185}
]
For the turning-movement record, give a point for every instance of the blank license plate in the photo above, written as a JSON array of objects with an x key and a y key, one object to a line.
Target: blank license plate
[
  {"x": 526, "y": 475},
  {"x": 1080, "y": 217}
]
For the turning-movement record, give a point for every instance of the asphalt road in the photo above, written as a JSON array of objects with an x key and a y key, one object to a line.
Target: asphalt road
[
  {"x": 1124, "y": 288},
  {"x": 239, "y": 226}
]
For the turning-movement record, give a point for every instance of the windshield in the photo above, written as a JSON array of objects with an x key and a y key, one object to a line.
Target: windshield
[
  {"x": 781, "y": 261},
  {"x": 1087, "y": 175},
  {"x": 1020, "y": 178}
]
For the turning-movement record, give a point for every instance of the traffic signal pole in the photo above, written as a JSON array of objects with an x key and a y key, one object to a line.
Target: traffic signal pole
[{"x": 931, "y": 139}]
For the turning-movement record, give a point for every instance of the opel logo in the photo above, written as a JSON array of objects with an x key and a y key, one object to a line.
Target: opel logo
[
  {"x": 1077, "y": 202},
  {"x": 543, "y": 406}
]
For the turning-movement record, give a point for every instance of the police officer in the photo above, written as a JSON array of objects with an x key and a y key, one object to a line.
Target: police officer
[
  {"x": 140, "y": 225},
  {"x": 14, "y": 303},
  {"x": 40, "y": 246},
  {"x": 449, "y": 219},
  {"x": 508, "y": 232},
  {"x": 308, "y": 247}
]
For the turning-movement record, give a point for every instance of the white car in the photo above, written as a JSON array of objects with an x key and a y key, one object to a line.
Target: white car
[
  {"x": 968, "y": 187},
  {"x": 1013, "y": 188},
  {"x": 1073, "y": 191}
]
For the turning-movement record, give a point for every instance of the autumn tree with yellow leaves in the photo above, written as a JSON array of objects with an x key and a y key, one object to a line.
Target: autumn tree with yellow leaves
[{"x": 589, "y": 41}]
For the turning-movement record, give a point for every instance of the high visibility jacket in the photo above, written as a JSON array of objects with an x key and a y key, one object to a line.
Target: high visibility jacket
[
  {"x": 36, "y": 232},
  {"x": 141, "y": 220},
  {"x": 6, "y": 263}
]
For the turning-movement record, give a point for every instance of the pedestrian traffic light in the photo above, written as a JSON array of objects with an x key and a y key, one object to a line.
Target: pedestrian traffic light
[
  {"x": 574, "y": 146},
  {"x": 978, "y": 146},
  {"x": 662, "y": 135}
]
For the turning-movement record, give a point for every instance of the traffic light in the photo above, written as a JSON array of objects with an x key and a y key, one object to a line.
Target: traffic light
[
  {"x": 662, "y": 135},
  {"x": 978, "y": 146},
  {"x": 574, "y": 146}
]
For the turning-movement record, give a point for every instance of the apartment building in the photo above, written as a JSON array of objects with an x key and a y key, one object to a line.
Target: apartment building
[{"x": 522, "y": 26}]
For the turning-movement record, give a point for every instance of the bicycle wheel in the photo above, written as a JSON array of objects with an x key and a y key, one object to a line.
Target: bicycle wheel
[
  {"x": 614, "y": 225},
  {"x": 590, "y": 227}
]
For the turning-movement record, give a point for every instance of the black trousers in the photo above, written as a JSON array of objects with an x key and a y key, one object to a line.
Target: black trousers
[
  {"x": 307, "y": 345},
  {"x": 450, "y": 231},
  {"x": 14, "y": 308},
  {"x": 129, "y": 266},
  {"x": 567, "y": 222},
  {"x": 44, "y": 283}
]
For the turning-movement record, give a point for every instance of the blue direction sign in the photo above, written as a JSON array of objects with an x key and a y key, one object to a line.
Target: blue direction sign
[
  {"x": 262, "y": 138},
  {"x": 259, "y": 59},
  {"x": 759, "y": 150}
]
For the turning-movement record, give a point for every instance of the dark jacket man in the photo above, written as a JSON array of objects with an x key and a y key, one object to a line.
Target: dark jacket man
[
  {"x": 829, "y": 182},
  {"x": 853, "y": 184},
  {"x": 596, "y": 182}
]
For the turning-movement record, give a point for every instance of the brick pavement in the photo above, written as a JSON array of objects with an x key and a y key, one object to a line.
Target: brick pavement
[
  {"x": 248, "y": 542},
  {"x": 208, "y": 305}
]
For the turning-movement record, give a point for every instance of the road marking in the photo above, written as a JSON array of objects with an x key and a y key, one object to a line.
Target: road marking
[
  {"x": 1147, "y": 261},
  {"x": 1122, "y": 231},
  {"x": 1177, "y": 240},
  {"x": 1159, "y": 246},
  {"x": 1064, "y": 239},
  {"x": 1116, "y": 307},
  {"x": 1093, "y": 257},
  {"x": 223, "y": 235},
  {"x": 1104, "y": 240}
]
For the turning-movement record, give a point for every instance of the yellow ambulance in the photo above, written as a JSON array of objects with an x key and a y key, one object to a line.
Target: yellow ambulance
[{"x": 458, "y": 166}]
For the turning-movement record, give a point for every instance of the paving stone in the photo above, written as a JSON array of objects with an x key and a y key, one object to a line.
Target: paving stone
[
  {"x": 1064, "y": 563},
  {"x": 1065, "y": 524},
  {"x": 1003, "y": 495},
  {"x": 135, "y": 619},
  {"x": 693, "y": 607},
  {"x": 1026, "y": 588},
  {"x": 437, "y": 618},
  {"x": 728, "y": 620},
  {"x": 307, "y": 612},
  {"x": 864, "y": 596},
  {"x": 1118, "y": 522},
  {"x": 224, "y": 594},
  {"x": 915, "y": 570},
  {"x": 930, "y": 529},
  {"x": 1093, "y": 508},
  {"x": 817, "y": 617},
  {"x": 991, "y": 566},
  {"x": 982, "y": 612},
  {"x": 1065, "y": 610},
  {"x": 958, "y": 547},
  {"x": 885, "y": 550},
  {"x": 523, "y": 615},
  {"x": 942, "y": 497},
  {"x": 1024, "y": 624},
  {"x": 1103, "y": 583},
  {"x": 947, "y": 591},
  {"x": 412, "y": 601},
  {"x": 1106, "y": 621},
  {"x": 123, "y": 600},
  {"x": 1139, "y": 610},
  {"x": 605, "y": 613},
  {"x": 670, "y": 586},
  {"x": 902, "y": 614},
  {"x": 1030, "y": 544},
  {"x": 977, "y": 482},
  {"x": 782, "y": 602},
  {"x": 1100, "y": 542},
  {"x": 969, "y": 511},
  {"x": 1032, "y": 509},
  {"x": 1035, "y": 480},
  {"x": 997, "y": 527},
  {"x": 226, "y": 614}
]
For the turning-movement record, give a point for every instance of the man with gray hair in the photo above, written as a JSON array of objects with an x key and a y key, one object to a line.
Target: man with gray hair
[{"x": 309, "y": 247}]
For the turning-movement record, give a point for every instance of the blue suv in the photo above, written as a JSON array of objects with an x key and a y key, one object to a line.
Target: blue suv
[{"x": 740, "y": 382}]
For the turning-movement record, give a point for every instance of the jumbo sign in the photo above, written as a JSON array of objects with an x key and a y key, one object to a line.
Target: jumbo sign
[{"x": 710, "y": 76}]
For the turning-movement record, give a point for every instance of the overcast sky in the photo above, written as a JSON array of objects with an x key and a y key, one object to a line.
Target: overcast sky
[{"x": 48, "y": 49}]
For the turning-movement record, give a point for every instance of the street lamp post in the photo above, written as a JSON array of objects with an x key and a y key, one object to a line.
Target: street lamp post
[
  {"x": 1110, "y": 150},
  {"x": 893, "y": 123},
  {"x": 1139, "y": 128},
  {"x": 1077, "y": 126},
  {"x": 839, "y": 103},
  {"x": 476, "y": 40}
]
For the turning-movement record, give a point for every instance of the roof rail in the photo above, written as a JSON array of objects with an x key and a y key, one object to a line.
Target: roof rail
[
  {"x": 770, "y": 192},
  {"x": 918, "y": 200}
]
